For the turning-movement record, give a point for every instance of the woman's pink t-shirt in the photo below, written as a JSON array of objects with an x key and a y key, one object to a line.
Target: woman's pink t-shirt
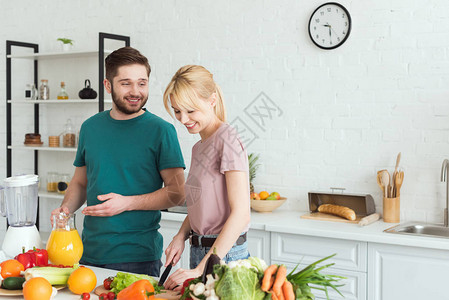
[{"x": 206, "y": 193}]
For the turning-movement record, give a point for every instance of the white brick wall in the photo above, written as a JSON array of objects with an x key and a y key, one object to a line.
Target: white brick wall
[{"x": 346, "y": 113}]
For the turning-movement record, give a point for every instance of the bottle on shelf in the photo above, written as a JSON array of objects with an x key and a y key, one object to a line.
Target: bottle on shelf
[
  {"x": 44, "y": 90},
  {"x": 63, "y": 94},
  {"x": 69, "y": 138}
]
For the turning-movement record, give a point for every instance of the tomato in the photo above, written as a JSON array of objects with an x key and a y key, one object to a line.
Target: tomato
[
  {"x": 11, "y": 268},
  {"x": 85, "y": 296},
  {"x": 103, "y": 296},
  {"x": 107, "y": 282},
  {"x": 111, "y": 296}
]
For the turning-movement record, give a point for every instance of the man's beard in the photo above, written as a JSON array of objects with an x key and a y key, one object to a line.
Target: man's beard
[{"x": 121, "y": 104}]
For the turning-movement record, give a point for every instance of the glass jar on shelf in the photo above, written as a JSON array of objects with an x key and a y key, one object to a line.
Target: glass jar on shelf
[
  {"x": 44, "y": 90},
  {"x": 52, "y": 181},
  {"x": 69, "y": 136},
  {"x": 63, "y": 183},
  {"x": 62, "y": 93}
]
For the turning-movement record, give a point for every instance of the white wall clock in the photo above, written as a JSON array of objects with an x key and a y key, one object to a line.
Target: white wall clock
[{"x": 330, "y": 25}]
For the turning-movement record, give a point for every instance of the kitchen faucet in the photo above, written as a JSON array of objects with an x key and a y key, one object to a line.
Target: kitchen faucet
[{"x": 444, "y": 178}]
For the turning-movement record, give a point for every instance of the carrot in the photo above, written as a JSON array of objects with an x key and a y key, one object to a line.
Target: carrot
[
  {"x": 273, "y": 296},
  {"x": 281, "y": 276},
  {"x": 267, "y": 275},
  {"x": 287, "y": 288}
]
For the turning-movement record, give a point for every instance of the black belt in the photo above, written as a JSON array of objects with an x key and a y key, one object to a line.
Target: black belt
[{"x": 199, "y": 241}]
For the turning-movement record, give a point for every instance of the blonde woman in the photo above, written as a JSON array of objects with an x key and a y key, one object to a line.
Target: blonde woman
[{"x": 217, "y": 187}]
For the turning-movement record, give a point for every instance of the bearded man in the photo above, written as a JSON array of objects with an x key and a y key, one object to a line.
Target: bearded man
[{"x": 124, "y": 158}]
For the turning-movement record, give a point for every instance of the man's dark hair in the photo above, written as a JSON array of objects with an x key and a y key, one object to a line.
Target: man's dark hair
[{"x": 123, "y": 57}]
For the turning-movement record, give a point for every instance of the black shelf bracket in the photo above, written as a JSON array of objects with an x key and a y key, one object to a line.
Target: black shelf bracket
[
  {"x": 9, "y": 45},
  {"x": 35, "y": 47},
  {"x": 102, "y": 37}
]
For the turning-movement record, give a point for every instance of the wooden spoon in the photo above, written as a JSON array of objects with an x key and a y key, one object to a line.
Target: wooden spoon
[
  {"x": 385, "y": 180},
  {"x": 393, "y": 180},
  {"x": 379, "y": 181},
  {"x": 398, "y": 182}
]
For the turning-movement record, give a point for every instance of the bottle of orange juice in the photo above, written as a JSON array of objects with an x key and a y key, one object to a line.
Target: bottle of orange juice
[{"x": 64, "y": 245}]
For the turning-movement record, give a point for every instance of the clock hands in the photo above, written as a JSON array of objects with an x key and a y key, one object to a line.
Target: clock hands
[{"x": 330, "y": 27}]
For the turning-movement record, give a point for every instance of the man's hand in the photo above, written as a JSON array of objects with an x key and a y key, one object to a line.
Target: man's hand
[
  {"x": 114, "y": 204},
  {"x": 57, "y": 211}
]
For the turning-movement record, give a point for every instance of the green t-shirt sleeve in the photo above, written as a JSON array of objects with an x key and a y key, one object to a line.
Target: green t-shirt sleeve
[
  {"x": 79, "y": 158},
  {"x": 170, "y": 155}
]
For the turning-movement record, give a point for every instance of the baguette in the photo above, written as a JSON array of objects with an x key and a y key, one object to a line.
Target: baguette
[{"x": 338, "y": 210}]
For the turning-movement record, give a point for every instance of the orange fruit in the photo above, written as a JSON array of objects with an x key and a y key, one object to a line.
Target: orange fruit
[
  {"x": 82, "y": 280},
  {"x": 37, "y": 288},
  {"x": 11, "y": 268},
  {"x": 263, "y": 195}
]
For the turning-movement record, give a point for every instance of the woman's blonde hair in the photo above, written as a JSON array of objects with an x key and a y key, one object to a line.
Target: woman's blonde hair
[{"x": 189, "y": 85}]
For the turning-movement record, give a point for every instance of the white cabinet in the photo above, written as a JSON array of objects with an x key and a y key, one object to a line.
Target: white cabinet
[
  {"x": 350, "y": 261},
  {"x": 259, "y": 244},
  {"x": 400, "y": 272},
  {"x": 168, "y": 230}
]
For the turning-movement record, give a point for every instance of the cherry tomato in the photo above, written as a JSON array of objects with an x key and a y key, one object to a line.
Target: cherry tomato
[
  {"x": 111, "y": 296},
  {"x": 107, "y": 283},
  {"x": 103, "y": 296},
  {"x": 85, "y": 296}
]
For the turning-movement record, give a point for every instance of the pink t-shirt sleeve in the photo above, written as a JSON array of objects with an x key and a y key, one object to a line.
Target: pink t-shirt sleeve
[{"x": 234, "y": 156}]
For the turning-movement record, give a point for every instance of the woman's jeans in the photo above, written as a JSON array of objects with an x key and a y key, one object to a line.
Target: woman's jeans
[{"x": 237, "y": 252}]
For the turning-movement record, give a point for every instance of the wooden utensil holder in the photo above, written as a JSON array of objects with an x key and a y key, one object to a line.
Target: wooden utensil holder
[{"x": 392, "y": 209}]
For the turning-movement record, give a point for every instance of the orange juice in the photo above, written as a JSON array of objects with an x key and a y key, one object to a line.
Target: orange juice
[{"x": 64, "y": 247}]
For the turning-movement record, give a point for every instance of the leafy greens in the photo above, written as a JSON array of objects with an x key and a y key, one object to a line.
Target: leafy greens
[
  {"x": 123, "y": 280},
  {"x": 237, "y": 283}
]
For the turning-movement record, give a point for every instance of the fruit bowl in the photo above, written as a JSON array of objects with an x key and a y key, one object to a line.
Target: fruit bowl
[{"x": 267, "y": 205}]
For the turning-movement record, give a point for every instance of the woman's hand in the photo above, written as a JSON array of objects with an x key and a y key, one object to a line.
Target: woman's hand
[
  {"x": 174, "y": 250},
  {"x": 178, "y": 278}
]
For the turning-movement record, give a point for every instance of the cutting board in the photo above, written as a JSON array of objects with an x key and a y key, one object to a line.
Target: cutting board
[
  {"x": 169, "y": 295},
  {"x": 328, "y": 217},
  {"x": 5, "y": 292}
]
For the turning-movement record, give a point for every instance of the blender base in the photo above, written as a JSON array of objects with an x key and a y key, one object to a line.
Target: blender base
[{"x": 18, "y": 237}]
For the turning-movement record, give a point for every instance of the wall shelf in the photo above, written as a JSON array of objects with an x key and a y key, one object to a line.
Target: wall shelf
[
  {"x": 56, "y": 101},
  {"x": 50, "y": 195},
  {"x": 55, "y": 55},
  {"x": 36, "y": 56},
  {"x": 42, "y": 148}
]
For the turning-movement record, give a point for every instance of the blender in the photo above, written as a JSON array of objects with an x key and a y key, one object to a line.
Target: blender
[{"x": 19, "y": 206}]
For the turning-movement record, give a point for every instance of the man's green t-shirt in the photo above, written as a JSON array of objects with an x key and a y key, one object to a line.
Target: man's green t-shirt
[{"x": 125, "y": 157}]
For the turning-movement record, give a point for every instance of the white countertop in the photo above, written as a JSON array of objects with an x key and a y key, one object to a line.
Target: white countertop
[
  {"x": 285, "y": 221},
  {"x": 65, "y": 293}
]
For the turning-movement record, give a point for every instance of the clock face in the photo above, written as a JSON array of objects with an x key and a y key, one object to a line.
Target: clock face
[{"x": 329, "y": 25}]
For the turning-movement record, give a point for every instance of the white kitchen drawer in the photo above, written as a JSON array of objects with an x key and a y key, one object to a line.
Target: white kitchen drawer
[
  {"x": 291, "y": 248},
  {"x": 168, "y": 230},
  {"x": 354, "y": 286},
  {"x": 259, "y": 244}
]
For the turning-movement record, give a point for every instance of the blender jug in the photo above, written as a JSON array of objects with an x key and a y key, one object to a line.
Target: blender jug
[
  {"x": 20, "y": 200},
  {"x": 19, "y": 206}
]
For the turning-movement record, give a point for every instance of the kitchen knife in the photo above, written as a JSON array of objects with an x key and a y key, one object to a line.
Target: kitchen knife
[
  {"x": 369, "y": 219},
  {"x": 164, "y": 275}
]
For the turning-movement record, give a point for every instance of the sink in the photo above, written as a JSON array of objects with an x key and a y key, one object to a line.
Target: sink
[{"x": 420, "y": 229}]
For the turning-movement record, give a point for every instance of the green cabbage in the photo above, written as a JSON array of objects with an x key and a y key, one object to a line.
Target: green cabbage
[
  {"x": 258, "y": 263},
  {"x": 123, "y": 280},
  {"x": 237, "y": 283}
]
